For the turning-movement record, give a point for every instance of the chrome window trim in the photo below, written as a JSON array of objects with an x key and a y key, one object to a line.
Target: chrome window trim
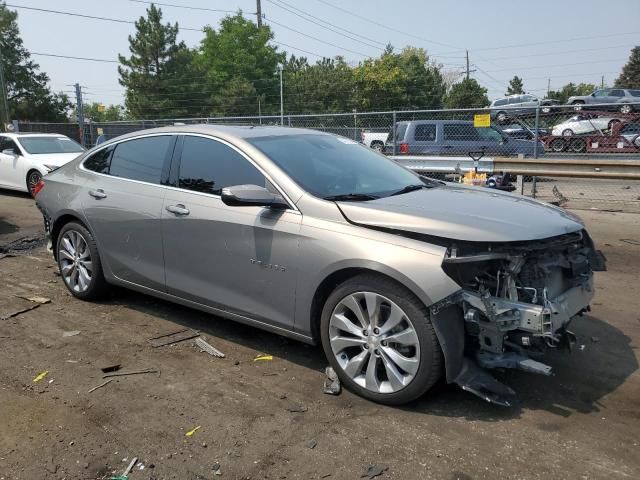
[{"x": 292, "y": 205}]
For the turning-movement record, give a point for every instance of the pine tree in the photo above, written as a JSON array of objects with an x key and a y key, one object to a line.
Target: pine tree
[
  {"x": 630, "y": 76},
  {"x": 516, "y": 86},
  {"x": 157, "y": 76},
  {"x": 28, "y": 93}
]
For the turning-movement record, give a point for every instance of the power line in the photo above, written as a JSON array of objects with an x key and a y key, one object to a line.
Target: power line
[
  {"x": 186, "y": 7},
  {"x": 552, "y": 41},
  {"x": 556, "y": 53},
  {"x": 41, "y": 54},
  {"x": 556, "y": 65},
  {"x": 382, "y": 25},
  {"x": 290, "y": 7},
  {"x": 316, "y": 38}
]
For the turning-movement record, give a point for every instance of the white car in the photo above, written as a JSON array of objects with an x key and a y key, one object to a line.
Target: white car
[
  {"x": 584, "y": 123},
  {"x": 26, "y": 157},
  {"x": 375, "y": 140}
]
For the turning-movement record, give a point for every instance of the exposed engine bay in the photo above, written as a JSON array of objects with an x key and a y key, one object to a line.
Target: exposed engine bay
[{"x": 517, "y": 300}]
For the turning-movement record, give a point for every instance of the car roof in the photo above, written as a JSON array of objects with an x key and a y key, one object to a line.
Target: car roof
[
  {"x": 229, "y": 131},
  {"x": 435, "y": 122},
  {"x": 30, "y": 134}
]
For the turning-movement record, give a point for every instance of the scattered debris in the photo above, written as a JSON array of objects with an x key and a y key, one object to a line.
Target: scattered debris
[
  {"x": 124, "y": 476},
  {"x": 558, "y": 194},
  {"x": 261, "y": 358},
  {"x": 35, "y": 299},
  {"x": 630, "y": 241},
  {"x": 22, "y": 245},
  {"x": 40, "y": 376},
  {"x": 134, "y": 372},
  {"x": 206, "y": 347},
  {"x": 269, "y": 374},
  {"x": 312, "y": 444},
  {"x": 18, "y": 312},
  {"x": 192, "y": 431},
  {"x": 627, "y": 187},
  {"x": 236, "y": 363},
  {"x": 174, "y": 337},
  {"x": 282, "y": 396},
  {"x": 297, "y": 409},
  {"x": 100, "y": 386},
  {"x": 216, "y": 469},
  {"x": 595, "y": 339},
  {"x": 71, "y": 333},
  {"x": 332, "y": 382},
  {"x": 111, "y": 368},
  {"x": 374, "y": 471},
  {"x": 6, "y": 255}
]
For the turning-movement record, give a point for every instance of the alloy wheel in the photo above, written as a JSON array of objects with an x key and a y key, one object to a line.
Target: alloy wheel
[
  {"x": 74, "y": 256},
  {"x": 32, "y": 180},
  {"x": 374, "y": 342}
]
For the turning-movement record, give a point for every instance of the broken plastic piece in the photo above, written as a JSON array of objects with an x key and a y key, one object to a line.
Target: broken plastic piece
[
  {"x": 479, "y": 382},
  {"x": 206, "y": 347},
  {"x": 192, "y": 431},
  {"x": 40, "y": 376}
]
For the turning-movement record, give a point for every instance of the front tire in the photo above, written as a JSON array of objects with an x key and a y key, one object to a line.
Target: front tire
[
  {"x": 79, "y": 262},
  {"x": 380, "y": 341},
  {"x": 33, "y": 177},
  {"x": 626, "y": 108}
]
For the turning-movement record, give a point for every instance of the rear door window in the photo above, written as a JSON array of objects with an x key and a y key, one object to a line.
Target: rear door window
[
  {"x": 460, "y": 132},
  {"x": 401, "y": 129},
  {"x": 142, "y": 159},
  {"x": 8, "y": 144},
  {"x": 208, "y": 166},
  {"x": 617, "y": 93},
  {"x": 425, "y": 133},
  {"x": 634, "y": 93},
  {"x": 501, "y": 102}
]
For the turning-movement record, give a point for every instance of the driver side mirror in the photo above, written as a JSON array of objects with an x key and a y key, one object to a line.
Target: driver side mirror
[
  {"x": 252, "y": 196},
  {"x": 10, "y": 151}
]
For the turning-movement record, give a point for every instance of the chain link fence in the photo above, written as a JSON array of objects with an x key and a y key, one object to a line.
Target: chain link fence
[{"x": 548, "y": 131}]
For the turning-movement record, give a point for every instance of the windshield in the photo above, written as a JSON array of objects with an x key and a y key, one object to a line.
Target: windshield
[
  {"x": 41, "y": 145},
  {"x": 330, "y": 166}
]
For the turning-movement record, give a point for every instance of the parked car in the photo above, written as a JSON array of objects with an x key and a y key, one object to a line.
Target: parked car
[
  {"x": 321, "y": 239},
  {"x": 456, "y": 137},
  {"x": 625, "y": 100},
  {"x": 583, "y": 123},
  {"x": 513, "y": 105},
  {"x": 521, "y": 132},
  {"x": 631, "y": 131},
  {"x": 375, "y": 140},
  {"x": 26, "y": 157}
]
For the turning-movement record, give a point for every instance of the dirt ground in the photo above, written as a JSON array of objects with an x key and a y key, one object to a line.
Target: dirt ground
[{"x": 582, "y": 423}]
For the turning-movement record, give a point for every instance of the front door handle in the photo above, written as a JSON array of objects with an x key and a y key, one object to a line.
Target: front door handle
[
  {"x": 99, "y": 193},
  {"x": 178, "y": 209}
]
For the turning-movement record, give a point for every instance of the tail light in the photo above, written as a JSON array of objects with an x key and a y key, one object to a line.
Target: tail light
[
  {"x": 404, "y": 148},
  {"x": 37, "y": 187}
]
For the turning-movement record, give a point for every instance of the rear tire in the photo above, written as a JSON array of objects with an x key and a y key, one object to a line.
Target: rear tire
[
  {"x": 557, "y": 145},
  {"x": 626, "y": 108},
  {"x": 375, "y": 347},
  {"x": 501, "y": 117},
  {"x": 577, "y": 106},
  {"x": 567, "y": 133},
  {"x": 579, "y": 145},
  {"x": 377, "y": 146},
  {"x": 79, "y": 262}
]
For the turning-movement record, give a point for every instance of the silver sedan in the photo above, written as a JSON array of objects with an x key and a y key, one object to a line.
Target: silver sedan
[{"x": 402, "y": 279}]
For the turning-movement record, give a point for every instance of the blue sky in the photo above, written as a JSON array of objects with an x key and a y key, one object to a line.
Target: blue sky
[{"x": 564, "y": 40}]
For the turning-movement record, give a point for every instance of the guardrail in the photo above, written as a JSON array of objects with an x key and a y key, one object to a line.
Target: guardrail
[{"x": 623, "y": 169}]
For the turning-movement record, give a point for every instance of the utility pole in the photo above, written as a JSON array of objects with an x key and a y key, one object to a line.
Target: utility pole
[
  {"x": 281, "y": 97},
  {"x": 80, "y": 112},
  {"x": 259, "y": 13},
  {"x": 548, "y": 87},
  {"x": 467, "y": 64},
  {"x": 4, "y": 102},
  {"x": 602, "y": 82}
]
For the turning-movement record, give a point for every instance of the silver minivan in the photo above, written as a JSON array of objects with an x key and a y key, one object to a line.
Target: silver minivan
[
  {"x": 400, "y": 278},
  {"x": 513, "y": 105}
]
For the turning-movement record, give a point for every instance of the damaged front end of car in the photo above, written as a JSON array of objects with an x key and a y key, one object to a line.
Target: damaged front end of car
[{"x": 517, "y": 299}]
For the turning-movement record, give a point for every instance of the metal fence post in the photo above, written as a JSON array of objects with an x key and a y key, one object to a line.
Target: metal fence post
[
  {"x": 355, "y": 125},
  {"x": 393, "y": 133},
  {"x": 536, "y": 139}
]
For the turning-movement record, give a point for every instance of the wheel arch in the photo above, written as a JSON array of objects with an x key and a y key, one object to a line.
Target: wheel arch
[
  {"x": 60, "y": 222},
  {"x": 343, "y": 273}
]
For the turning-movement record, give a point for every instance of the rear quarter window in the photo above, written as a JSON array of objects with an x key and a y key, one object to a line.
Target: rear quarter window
[
  {"x": 141, "y": 159},
  {"x": 100, "y": 161}
]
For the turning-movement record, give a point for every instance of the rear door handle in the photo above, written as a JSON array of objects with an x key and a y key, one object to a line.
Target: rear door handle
[
  {"x": 178, "y": 209},
  {"x": 99, "y": 193}
]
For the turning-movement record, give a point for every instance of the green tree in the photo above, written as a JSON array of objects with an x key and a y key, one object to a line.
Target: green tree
[
  {"x": 515, "y": 86},
  {"x": 324, "y": 87},
  {"x": 630, "y": 75},
  {"x": 405, "y": 80},
  {"x": 97, "y": 112},
  {"x": 570, "y": 90},
  {"x": 467, "y": 94},
  {"x": 235, "y": 56},
  {"x": 157, "y": 75},
  {"x": 28, "y": 93}
]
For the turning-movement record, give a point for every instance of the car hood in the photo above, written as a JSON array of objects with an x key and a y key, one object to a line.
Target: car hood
[
  {"x": 464, "y": 213},
  {"x": 55, "y": 159}
]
